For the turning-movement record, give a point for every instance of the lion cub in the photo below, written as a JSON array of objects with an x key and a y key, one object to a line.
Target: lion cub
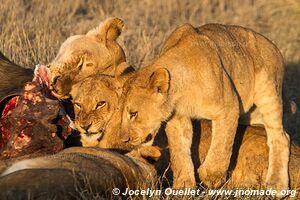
[
  {"x": 216, "y": 72},
  {"x": 96, "y": 100},
  {"x": 80, "y": 56}
]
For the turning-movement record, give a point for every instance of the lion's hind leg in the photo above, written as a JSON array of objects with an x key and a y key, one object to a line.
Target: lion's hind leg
[{"x": 267, "y": 98}]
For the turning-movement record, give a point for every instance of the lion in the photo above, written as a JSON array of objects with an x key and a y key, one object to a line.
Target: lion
[
  {"x": 250, "y": 164},
  {"x": 96, "y": 100},
  {"x": 248, "y": 169},
  {"x": 216, "y": 72},
  {"x": 80, "y": 56}
]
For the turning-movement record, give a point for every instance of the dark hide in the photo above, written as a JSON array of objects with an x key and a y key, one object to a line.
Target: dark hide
[
  {"x": 12, "y": 77},
  {"x": 75, "y": 173}
]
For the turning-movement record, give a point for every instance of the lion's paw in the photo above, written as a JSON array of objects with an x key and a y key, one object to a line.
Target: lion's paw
[
  {"x": 184, "y": 182},
  {"x": 279, "y": 184},
  {"x": 211, "y": 178}
]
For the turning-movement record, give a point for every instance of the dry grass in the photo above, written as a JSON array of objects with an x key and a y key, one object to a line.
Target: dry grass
[{"x": 31, "y": 31}]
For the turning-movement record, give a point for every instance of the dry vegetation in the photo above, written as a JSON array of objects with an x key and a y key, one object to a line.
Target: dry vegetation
[{"x": 31, "y": 31}]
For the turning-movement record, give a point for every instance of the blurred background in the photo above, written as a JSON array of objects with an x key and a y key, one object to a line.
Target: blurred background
[{"x": 31, "y": 31}]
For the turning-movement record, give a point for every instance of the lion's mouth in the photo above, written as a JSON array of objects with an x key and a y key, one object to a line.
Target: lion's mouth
[
  {"x": 146, "y": 142},
  {"x": 92, "y": 133},
  {"x": 98, "y": 135}
]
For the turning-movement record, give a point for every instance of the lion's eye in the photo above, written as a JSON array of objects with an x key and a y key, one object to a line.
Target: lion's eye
[
  {"x": 133, "y": 115},
  {"x": 80, "y": 64},
  {"x": 101, "y": 104},
  {"x": 77, "y": 105}
]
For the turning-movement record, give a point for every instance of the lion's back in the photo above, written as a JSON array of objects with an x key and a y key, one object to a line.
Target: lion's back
[{"x": 240, "y": 45}]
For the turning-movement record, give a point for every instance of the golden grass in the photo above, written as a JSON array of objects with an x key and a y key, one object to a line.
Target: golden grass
[{"x": 31, "y": 31}]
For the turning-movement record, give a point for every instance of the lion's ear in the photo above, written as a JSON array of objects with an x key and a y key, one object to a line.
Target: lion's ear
[
  {"x": 109, "y": 30},
  {"x": 160, "y": 80}
]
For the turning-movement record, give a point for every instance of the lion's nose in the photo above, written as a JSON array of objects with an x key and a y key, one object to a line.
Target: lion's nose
[
  {"x": 86, "y": 127},
  {"x": 125, "y": 138}
]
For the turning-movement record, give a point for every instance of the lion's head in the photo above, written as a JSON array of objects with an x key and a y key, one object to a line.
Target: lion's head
[
  {"x": 95, "y": 100},
  {"x": 80, "y": 56},
  {"x": 144, "y": 106}
]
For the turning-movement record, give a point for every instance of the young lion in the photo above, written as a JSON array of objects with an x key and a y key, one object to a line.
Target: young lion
[
  {"x": 96, "y": 100},
  {"x": 80, "y": 56},
  {"x": 216, "y": 72}
]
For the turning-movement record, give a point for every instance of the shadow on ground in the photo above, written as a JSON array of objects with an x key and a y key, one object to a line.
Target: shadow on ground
[{"x": 291, "y": 98}]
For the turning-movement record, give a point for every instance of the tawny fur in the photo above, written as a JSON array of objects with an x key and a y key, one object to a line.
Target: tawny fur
[
  {"x": 250, "y": 164},
  {"x": 214, "y": 72},
  {"x": 80, "y": 56},
  {"x": 96, "y": 100}
]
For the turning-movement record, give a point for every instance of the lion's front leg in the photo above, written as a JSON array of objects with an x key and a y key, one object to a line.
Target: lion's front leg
[
  {"x": 180, "y": 133},
  {"x": 213, "y": 170}
]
